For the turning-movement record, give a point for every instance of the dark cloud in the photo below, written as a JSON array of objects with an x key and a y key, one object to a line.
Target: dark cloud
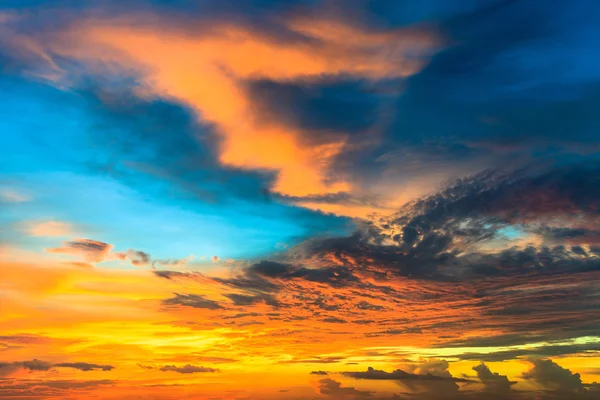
[
  {"x": 334, "y": 320},
  {"x": 35, "y": 365},
  {"x": 437, "y": 246},
  {"x": 170, "y": 274},
  {"x": 554, "y": 377},
  {"x": 334, "y": 389},
  {"x": 187, "y": 369},
  {"x": 82, "y": 366},
  {"x": 398, "y": 375},
  {"x": 246, "y": 300},
  {"x": 331, "y": 276},
  {"x": 39, "y": 365},
  {"x": 270, "y": 269},
  {"x": 517, "y": 84},
  {"x": 329, "y": 108},
  {"x": 493, "y": 381},
  {"x": 90, "y": 250},
  {"x": 438, "y": 236},
  {"x": 541, "y": 351},
  {"x": 192, "y": 300}
]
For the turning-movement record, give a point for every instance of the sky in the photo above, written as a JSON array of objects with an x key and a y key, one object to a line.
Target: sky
[{"x": 299, "y": 199}]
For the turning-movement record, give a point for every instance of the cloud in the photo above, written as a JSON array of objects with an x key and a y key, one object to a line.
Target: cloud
[
  {"x": 554, "y": 377},
  {"x": 90, "y": 250},
  {"x": 229, "y": 88},
  {"x": 49, "y": 228},
  {"x": 334, "y": 320},
  {"x": 13, "y": 196},
  {"x": 187, "y": 369},
  {"x": 49, "y": 388},
  {"x": 192, "y": 300},
  {"x": 538, "y": 351},
  {"x": 245, "y": 300},
  {"x": 94, "y": 251},
  {"x": 138, "y": 258},
  {"x": 434, "y": 254},
  {"x": 399, "y": 375},
  {"x": 347, "y": 107},
  {"x": 35, "y": 365},
  {"x": 39, "y": 365},
  {"x": 82, "y": 366},
  {"x": 493, "y": 381},
  {"x": 334, "y": 389}
]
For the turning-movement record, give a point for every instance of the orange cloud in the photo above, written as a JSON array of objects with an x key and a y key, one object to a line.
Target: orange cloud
[
  {"x": 49, "y": 228},
  {"x": 209, "y": 71}
]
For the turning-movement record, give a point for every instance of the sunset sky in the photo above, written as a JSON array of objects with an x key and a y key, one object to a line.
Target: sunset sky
[{"x": 300, "y": 199}]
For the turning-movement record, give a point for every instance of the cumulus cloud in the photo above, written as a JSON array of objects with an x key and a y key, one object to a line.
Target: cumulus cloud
[
  {"x": 334, "y": 389},
  {"x": 554, "y": 377},
  {"x": 493, "y": 381}
]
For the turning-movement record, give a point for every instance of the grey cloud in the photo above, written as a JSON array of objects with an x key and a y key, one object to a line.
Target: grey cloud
[
  {"x": 334, "y": 389},
  {"x": 192, "y": 300},
  {"x": 493, "y": 381},
  {"x": 187, "y": 369},
  {"x": 398, "y": 375},
  {"x": 39, "y": 365},
  {"x": 554, "y": 377},
  {"x": 82, "y": 366}
]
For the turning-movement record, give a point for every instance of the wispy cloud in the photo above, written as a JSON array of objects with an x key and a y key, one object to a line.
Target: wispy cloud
[{"x": 49, "y": 228}]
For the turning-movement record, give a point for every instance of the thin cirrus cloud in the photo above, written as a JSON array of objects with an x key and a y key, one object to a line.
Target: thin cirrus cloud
[
  {"x": 49, "y": 228},
  {"x": 13, "y": 196}
]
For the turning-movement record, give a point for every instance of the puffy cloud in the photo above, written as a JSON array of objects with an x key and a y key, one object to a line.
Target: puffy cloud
[
  {"x": 554, "y": 377},
  {"x": 492, "y": 381},
  {"x": 334, "y": 389}
]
